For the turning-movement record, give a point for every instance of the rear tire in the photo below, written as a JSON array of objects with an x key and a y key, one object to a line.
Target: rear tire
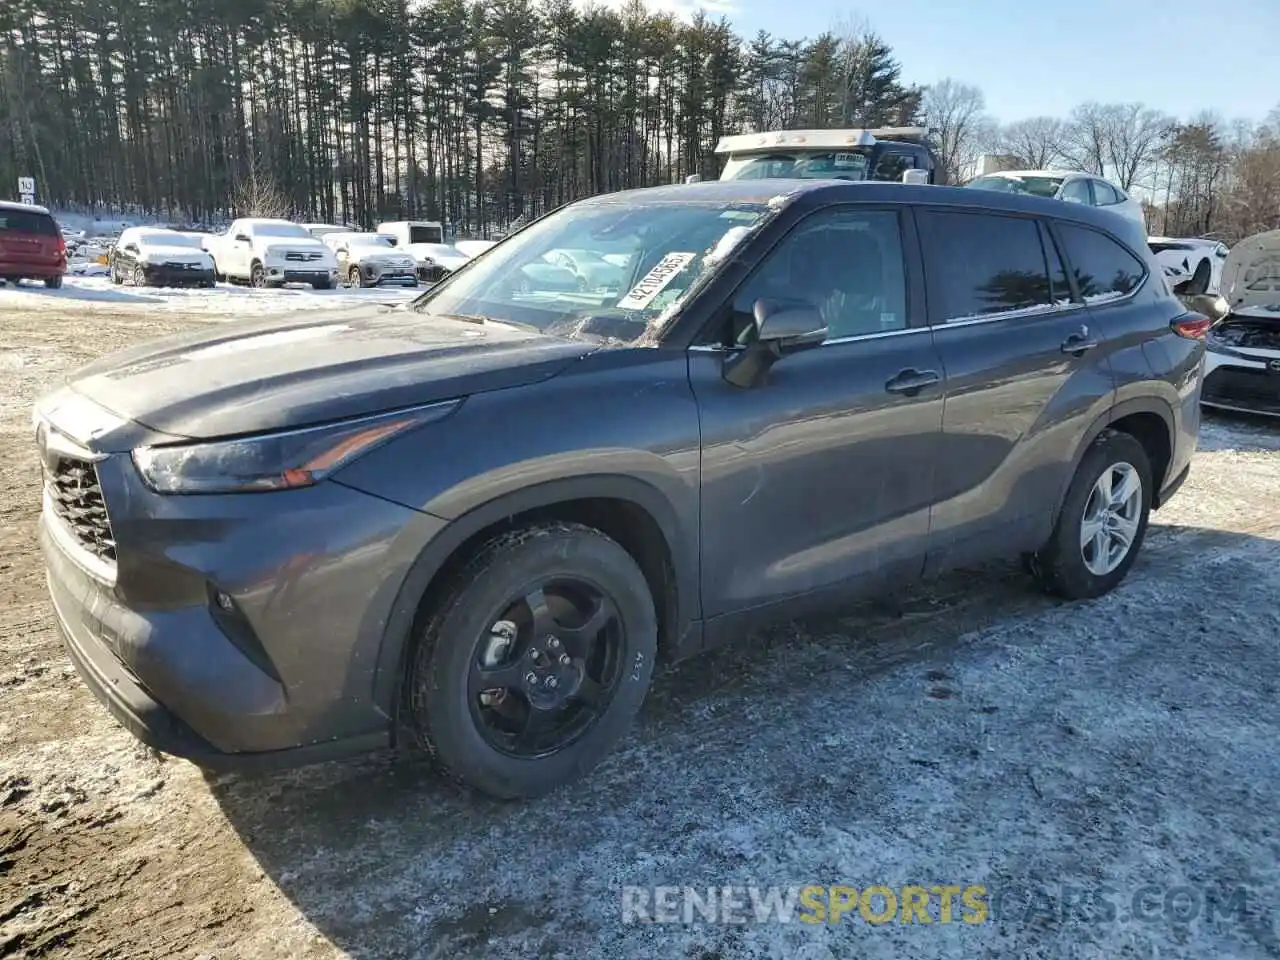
[
  {"x": 1083, "y": 558},
  {"x": 53, "y": 283},
  {"x": 115, "y": 275},
  {"x": 322, "y": 285},
  {"x": 470, "y": 723}
]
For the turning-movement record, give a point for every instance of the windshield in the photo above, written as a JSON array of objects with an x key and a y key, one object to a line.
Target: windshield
[
  {"x": 279, "y": 230},
  {"x": 669, "y": 248},
  {"x": 378, "y": 243},
  {"x": 850, "y": 164},
  {"x": 1035, "y": 186},
  {"x": 169, "y": 240}
]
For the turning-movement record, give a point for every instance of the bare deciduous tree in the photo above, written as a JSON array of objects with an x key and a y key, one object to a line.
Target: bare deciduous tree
[
  {"x": 258, "y": 195},
  {"x": 954, "y": 111},
  {"x": 1035, "y": 141}
]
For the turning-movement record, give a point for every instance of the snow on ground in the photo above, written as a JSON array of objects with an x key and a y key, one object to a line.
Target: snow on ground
[
  {"x": 1106, "y": 770},
  {"x": 226, "y": 300}
]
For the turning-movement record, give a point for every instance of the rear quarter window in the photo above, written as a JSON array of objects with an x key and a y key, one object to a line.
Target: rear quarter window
[
  {"x": 1104, "y": 270},
  {"x": 24, "y": 221}
]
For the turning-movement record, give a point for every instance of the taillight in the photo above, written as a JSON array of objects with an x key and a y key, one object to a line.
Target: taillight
[
  {"x": 1192, "y": 326},
  {"x": 62, "y": 246}
]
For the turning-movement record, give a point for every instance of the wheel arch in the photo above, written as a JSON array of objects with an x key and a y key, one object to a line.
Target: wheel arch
[
  {"x": 1150, "y": 421},
  {"x": 631, "y": 511}
]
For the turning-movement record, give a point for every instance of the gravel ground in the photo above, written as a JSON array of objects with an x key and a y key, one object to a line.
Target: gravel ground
[{"x": 1107, "y": 771}]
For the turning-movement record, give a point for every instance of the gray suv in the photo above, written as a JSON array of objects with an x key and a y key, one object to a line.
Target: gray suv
[{"x": 479, "y": 519}]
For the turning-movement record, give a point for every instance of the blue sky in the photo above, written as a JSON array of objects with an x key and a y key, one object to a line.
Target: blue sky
[{"x": 1181, "y": 56}]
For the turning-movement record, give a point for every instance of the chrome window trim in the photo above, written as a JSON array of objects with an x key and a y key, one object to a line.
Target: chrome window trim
[{"x": 878, "y": 335}]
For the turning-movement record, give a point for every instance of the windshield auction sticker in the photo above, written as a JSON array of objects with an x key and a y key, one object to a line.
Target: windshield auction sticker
[{"x": 655, "y": 280}]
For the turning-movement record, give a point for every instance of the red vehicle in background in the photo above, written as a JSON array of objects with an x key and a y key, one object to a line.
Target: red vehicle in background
[{"x": 31, "y": 245}]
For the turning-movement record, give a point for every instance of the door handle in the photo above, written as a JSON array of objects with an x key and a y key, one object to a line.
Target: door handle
[
  {"x": 911, "y": 381},
  {"x": 1079, "y": 342}
]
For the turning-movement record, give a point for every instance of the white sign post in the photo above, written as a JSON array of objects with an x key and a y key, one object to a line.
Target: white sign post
[{"x": 27, "y": 189}]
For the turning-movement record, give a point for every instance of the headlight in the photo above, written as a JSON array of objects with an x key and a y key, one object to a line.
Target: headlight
[{"x": 275, "y": 461}]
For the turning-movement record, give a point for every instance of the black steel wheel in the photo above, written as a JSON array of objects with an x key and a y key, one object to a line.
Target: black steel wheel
[{"x": 535, "y": 661}]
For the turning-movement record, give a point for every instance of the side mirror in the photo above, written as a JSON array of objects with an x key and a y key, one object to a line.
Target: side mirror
[
  {"x": 242, "y": 238},
  {"x": 693, "y": 178},
  {"x": 782, "y": 327},
  {"x": 915, "y": 176},
  {"x": 789, "y": 324}
]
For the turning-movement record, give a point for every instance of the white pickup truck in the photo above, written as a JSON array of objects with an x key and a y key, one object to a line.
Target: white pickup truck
[{"x": 269, "y": 253}]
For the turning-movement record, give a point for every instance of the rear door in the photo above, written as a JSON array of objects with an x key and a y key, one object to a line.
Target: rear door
[
  {"x": 822, "y": 475},
  {"x": 28, "y": 238},
  {"x": 1027, "y": 370}
]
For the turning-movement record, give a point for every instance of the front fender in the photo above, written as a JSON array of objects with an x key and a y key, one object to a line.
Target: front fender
[{"x": 619, "y": 425}]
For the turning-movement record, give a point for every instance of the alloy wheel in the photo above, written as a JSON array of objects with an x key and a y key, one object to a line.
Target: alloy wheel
[
  {"x": 547, "y": 668},
  {"x": 1111, "y": 518}
]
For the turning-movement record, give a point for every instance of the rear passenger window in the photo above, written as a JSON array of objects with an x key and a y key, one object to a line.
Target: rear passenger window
[
  {"x": 980, "y": 264},
  {"x": 1104, "y": 270}
]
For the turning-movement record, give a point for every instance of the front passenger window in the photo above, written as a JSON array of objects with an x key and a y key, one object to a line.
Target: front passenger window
[{"x": 846, "y": 264}]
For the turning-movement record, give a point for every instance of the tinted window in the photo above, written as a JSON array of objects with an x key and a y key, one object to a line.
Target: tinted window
[
  {"x": 1103, "y": 194},
  {"x": 846, "y": 264},
  {"x": 24, "y": 221},
  {"x": 981, "y": 263},
  {"x": 1103, "y": 269},
  {"x": 1077, "y": 191},
  {"x": 419, "y": 234}
]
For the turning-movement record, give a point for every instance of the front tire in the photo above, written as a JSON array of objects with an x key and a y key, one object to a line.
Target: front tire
[
  {"x": 258, "y": 276},
  {"x": 139, "y": 277},
  {"x": 534, "y": 661},
  {"x": 1102, "y": 523},
  {"x": 354, "y": 279}
]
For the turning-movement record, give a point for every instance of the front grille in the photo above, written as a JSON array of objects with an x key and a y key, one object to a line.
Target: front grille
[
  {"x": 77, "y": 500},
  {"x": 302, "y": 257},
  {"x": 175, "y": 265},
  {"x": 1237, "y": 386}
]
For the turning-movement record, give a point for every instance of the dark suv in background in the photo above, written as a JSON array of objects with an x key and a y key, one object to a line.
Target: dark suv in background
[
  {"x": 31, "y": 245},
  {"x": 482, "y": 517}
]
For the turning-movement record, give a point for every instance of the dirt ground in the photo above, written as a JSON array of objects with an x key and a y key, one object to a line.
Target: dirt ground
[{"x": 972, "y": 731}]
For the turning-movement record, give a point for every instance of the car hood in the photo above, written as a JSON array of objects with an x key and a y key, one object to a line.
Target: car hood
[
  {"x": 182, "y": 254},
  {"x": 271, "y": 374},
  {"x": 438, "y": 253},
  {"x": 1251, "y": 275}
]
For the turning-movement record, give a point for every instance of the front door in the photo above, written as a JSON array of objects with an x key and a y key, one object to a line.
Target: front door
[
  {"x": 1028, "y": 371},
  {"x": 822, "y": 476}
]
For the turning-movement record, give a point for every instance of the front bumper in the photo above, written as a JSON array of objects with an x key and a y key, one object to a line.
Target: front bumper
[
  {"x": 291, "y": 273},
  {"x": 375, "y": 274},
  {"x": 287, "y": 676},
  {"x": 174, "y": 276},
  {"x": 1246, "y": 384}
]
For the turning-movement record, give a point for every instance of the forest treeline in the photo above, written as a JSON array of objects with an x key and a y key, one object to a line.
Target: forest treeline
[{"x": 483, "y": 112}]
